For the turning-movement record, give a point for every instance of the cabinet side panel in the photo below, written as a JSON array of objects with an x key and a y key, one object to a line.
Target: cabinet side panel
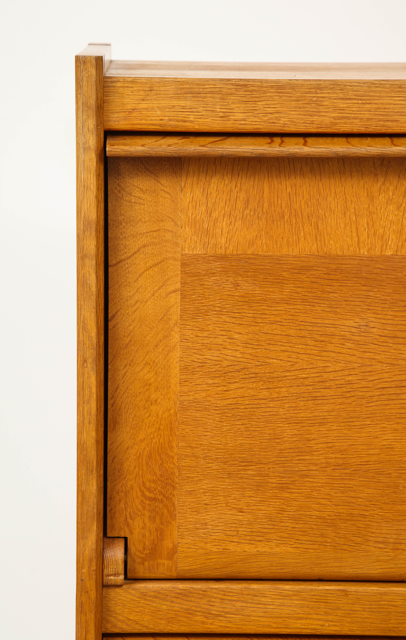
[
  {"x": 90, "y": 362},
  {"x": 143, "y": 385}
]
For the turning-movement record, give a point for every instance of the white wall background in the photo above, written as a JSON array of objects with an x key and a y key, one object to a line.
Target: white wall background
[{"x": 38, "y": 42}]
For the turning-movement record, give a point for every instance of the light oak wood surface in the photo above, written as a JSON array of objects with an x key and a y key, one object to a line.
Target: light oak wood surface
[
  {"x": 144, "y": 302},
  {"x": 90, "y": 345},
  {"x": 139, "y": 145},
  {"x": 292, "y": 380},
  {"x": 260, "y": 70},
  {"x": 256, "y": 348},
  {"x": 329, "y": 206},
  {"x": 98, "y": 50},
  {"x": 191, "y": 636},
  {"x": 113, "y": 561},
  {"x": 370, "y": 102},
  {"x": 257, "y": 607},
  {"x": 291, "y": 417}
]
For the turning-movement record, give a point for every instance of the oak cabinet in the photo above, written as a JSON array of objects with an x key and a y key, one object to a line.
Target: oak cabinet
[{"x": 242, "y": 348}]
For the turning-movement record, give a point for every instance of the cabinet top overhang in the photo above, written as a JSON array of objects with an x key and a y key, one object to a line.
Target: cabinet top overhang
[{"x": 278, "y": 98}]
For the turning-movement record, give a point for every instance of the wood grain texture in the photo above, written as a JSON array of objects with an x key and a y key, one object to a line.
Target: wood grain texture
[
  {"x": 98, "y": 50},
  {"x": 90, "y": 344},
  {"x": 258, "y": 607},
  {"x": 249, "y": 105},
  {"x": 343, "y": 206},
  {"x": 192, "y": 636},
  {"x": 113, "y": 562},
  {"x": 144, "y": 299},
  {"x": 259, "y": 70},
  {"x": 170, "y": 145},
  {"x": 291, "y": 418},
  {"x": 309, "y": 350}
]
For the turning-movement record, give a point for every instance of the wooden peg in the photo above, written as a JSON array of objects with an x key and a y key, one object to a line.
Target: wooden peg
[{"x": 113, "y": 561}]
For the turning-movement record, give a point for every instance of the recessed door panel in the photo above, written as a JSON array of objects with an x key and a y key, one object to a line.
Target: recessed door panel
[{"x": 257, "y": 345}]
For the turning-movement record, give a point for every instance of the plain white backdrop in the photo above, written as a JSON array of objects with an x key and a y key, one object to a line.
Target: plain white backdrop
[{"x": 37, "y": 236}]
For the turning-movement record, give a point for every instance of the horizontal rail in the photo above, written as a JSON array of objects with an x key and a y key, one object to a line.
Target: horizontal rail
[
  {"x": 191, "y": 636},
  {"x": 254, "y": 146},
  {"x": 253, "y": 105},
  {"x": 244, "y": 607}
]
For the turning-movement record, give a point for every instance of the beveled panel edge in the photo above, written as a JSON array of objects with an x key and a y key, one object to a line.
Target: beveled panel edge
[{"x": 141, "y": 244}]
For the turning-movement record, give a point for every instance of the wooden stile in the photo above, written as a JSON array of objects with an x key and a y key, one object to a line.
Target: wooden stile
[{"x": 90, "y": 321}]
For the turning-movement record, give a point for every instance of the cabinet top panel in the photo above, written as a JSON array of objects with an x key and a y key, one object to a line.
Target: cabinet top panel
[
  {"x": 278, "y": 98},
  {"x": 258, "y": 70}
]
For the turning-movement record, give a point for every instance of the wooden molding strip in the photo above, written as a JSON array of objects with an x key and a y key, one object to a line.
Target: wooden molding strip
[
  {"x": 255, "y": 607},
  {"x": 90, "y": 341},
  {"x": 113, "y": 562},
  {"x": 254, "y": 146}
]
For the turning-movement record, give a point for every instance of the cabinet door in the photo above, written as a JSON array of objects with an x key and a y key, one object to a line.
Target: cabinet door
[{"x": 257, "y": 380}]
